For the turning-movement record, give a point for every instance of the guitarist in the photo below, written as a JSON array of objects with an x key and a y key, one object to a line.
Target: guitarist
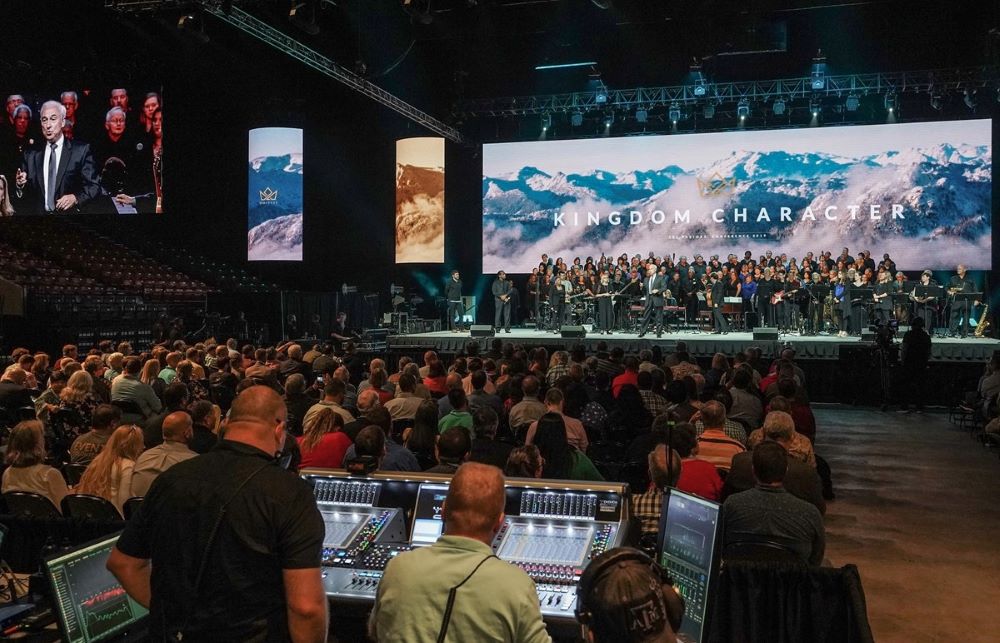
[
  {"x": 654, "y": 285},
  {"x": 501, "y": 300},
  {"x": 959, "y": 283}
]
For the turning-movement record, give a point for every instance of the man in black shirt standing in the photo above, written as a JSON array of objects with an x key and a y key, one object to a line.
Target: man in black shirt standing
[
  {"x": 959, "y": 283},
  {"x": 456, "y": 310},
  {"x": 501, "y": 299},
  {"x": 914, "y": 353},
  {"x": 227, "y": 545}
]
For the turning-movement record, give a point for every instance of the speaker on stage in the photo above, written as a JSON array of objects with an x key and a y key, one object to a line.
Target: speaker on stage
[
  {"x": 572, "y": 331},
  {"x": 867, "y": 335},
  {"x": 481, "y": 330},
  {"x": 765, "y": 334}
]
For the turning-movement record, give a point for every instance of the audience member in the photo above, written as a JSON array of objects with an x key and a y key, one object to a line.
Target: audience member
[
  {"x": 397, "y": 457},
  {"x": 525, "y": 462},
  {"x": 563, "y": 461},
  {"x": 647, "y": 506},
  {"x": 109, "y": 475},
  {"x": 103, "y": 422},
  {"x": 129, "y": 388},
  {"x": 799, "y": 447},
  {"x": 530, "y": 408},
  {"x": 459, "y": 414},
  {"x": 297, "y": 402},
  {"x": 714, "y": 446},
  {"x": 323, "y": 443},
  {"x": 480, "y": 396},
  {"x": 485, "y": 447},
  {"x": 698, "y": 476},
  {"x": 453, "y": 446},
  {"x": 26, "y": 469},
  {"x": 404, "y": 405},
  {"x": 205, "y": 418},
  {"x": 630, "y": 376},
  {"x": 175, "y": 398},
  {"x": 422, "y": 437},
  {"x": 177, "y": 432},
  {"x": 333, "y": 398}
]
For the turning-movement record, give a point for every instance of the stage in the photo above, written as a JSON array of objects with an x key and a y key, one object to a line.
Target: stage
[{"x": 700, "y": 344}]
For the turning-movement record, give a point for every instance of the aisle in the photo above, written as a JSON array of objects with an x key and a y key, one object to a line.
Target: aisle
[{"x": 917, "y": 511}]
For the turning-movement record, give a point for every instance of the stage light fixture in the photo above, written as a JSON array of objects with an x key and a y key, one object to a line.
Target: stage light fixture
[
  {"x": 890, "y": 102},
  {"x": 815, "y": 106},
  {"x": 936, "y": 102},
  {"x": 601, "y": 96},
  {"x": 546, "y": 121},
  {"x": 778, "y": 106},
  {"x": 674, "y": 113},
  {"x": 969, "y": 98},
  {"x": 303, "y": 16},
  {"x": 743, "y": 109},
  {"x": 708, "y": 111},
  {"x": 852, "y": 103},
  {"x": 576, "y": 118},
  {"x": 641, "y": 115},
  {"x": 609, "y": 119},
  {"x": 818, "y": 72}
]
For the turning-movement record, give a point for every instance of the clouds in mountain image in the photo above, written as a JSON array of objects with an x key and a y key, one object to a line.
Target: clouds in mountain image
[
  {"x": 420, "y": 200},
  {"x": 921, "y": 192},
  {"x": 274, "y": 195}
]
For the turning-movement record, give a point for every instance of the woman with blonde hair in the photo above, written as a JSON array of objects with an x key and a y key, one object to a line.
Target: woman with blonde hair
[
  {"x": 109, "y": 474},
  {"x": 26, "y": 469},
  {"x": 323, "y": 443},
  {"x": 78, "y": 395},
  {"x": 6, "y": 209}
]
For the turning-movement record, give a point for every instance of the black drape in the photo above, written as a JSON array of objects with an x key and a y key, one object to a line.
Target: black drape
[{"x": 774, "y": 602}]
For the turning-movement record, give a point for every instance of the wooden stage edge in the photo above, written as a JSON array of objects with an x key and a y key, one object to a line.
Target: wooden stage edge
[{"x": 969, "y": 349}]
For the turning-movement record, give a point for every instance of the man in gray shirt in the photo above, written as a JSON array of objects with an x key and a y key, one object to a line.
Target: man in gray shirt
[{"x": 769, "y": 513}]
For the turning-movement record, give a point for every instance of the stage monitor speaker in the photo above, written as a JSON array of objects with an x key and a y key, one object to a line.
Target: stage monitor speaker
[
  {"x": 867, "y": 335},
  {"x": 481, "y": 330},
  {"x": 572, "y": 331},
  {"x": 765, "y": 334}
]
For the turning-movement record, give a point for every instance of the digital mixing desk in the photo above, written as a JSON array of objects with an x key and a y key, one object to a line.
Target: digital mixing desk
[{"x": 552, "y": 529}]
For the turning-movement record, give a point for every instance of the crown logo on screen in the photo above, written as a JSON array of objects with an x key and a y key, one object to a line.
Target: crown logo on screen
[
  {"x": 267, "y": 195},
  {"x": 716, "y": 185}
]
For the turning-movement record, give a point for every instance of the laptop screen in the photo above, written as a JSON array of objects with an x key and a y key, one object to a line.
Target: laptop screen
[
  {"x": 427, "y": 521},
  {"x": 689, "y": 530},
  {"x": 89, "y": 601}
]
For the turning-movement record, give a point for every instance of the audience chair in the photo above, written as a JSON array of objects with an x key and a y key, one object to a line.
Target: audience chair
[
  {"x": 88, "y": 507},
  {"x": 25, "y": 504},
  {"x": 131, "y": 506},
  {"x": 73, "y": 473}
]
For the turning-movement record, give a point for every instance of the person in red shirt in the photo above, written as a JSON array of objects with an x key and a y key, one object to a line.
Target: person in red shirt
[
  {"x": 323, "y": 443},
  {"x": 630, "y": 376},
  {"x": 697, "y": 476},
  {"x": 435, "y": 380}
]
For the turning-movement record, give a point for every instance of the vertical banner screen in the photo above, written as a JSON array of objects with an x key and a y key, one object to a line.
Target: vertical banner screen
[
  {"x": 274, "y": 195},
  {"x": 420, "y": 200}
]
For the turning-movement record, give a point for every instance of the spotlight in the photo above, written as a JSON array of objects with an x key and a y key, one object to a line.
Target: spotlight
[
  {"x": 818, "y": 73},
  {"x": 936, "y": 102},
  {"x": 674, "y": 113},
  {"x": 890, "y": 102},
  {"x": 601, "y": 96},
  {"x": 546, "y": 121},
  {"x": 852, "y": 103},
  {"x": 641, "y": 115},
  {"x": 743, "y": 109},
  {"x": 970, "y": 99},
  {"x": 815, "y": 107},
  {"x": 419, "y": 10},
  {"x": 708, "y": 111},
  {"x": 778, "y": 106},
  {"x": 303, "y": 16},
  {"x": 194, "y": 25},
  {"x": 609, "y": 119},
  {"x": 576, "y": 119},
  {"x": 699, "y": 89}
]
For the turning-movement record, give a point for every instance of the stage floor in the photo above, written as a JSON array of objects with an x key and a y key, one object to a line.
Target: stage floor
[{"x": 699, "y": 343}]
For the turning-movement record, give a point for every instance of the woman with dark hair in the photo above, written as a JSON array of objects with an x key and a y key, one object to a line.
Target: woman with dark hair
[
  {"x": 562, "y": 461},
  {"x": 421, "y": 438},
  {"x": 631, "y": 414},
  {"x": 435, "y": 380}
]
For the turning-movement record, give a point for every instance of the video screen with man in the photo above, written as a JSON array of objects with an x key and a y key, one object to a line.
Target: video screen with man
[{"x": 72, "y": 150}]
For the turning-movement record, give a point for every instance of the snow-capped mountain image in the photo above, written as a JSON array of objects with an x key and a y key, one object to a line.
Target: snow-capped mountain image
[
  {"x": 923, "y": 195},
  {"x": 274, "y": 195}
]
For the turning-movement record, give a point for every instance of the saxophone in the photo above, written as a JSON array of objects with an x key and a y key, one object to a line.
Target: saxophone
[{"x": 984, "y": 322}]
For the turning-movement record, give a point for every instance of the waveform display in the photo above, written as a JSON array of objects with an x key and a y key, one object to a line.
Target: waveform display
[
  {"x": 103, "y": 616},
  {"x": 102, "y": 597}
]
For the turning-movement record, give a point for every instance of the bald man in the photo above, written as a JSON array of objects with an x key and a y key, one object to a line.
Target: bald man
[
  {"x": 261, "y": 578},
  {"x": 412, "y": 596},
  {"x": 177, "y": 433}
]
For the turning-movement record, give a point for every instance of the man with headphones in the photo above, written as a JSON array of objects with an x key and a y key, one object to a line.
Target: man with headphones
[
  {"x": 457, "y": 589},
  {"x": 624, "y": 595}
]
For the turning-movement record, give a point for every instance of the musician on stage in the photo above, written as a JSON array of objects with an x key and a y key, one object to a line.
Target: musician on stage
[
  {"x": 842, "y": 304},
  {"x": 859, "y": 310},
  {"x": 605, "y": 305},
  {"x": 765, "y": 288},
  {"x": 692, "y": 287},
  {"x": 456, "y": 310},
  {"x": 959, "y": 283},
  {"x": 902, "y": 311},
  {"x": 718, "y": 296},
  {"x": 653, "y": 286},
  {"x": 883, "y": 298},
  {"x": 559, "y": 291},
  {"x": 502, "y": 291},
  {"x": 814, "y": 315},
  {"x": 926, "y": 305}
]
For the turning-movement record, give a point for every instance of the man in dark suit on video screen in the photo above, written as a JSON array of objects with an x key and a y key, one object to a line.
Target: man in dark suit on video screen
[{"x": 60, "y": 175}]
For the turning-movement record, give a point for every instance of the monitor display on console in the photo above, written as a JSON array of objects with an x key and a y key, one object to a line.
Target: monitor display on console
[
  {"x": 687, "y": 549},
  {"x": 428, "y": 523},
  {"x": 90, "y": 603},
  {"x": 546, "y": 544}
]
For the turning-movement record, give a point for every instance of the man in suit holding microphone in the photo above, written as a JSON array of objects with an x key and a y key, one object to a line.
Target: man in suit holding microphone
[
  {"x": 654, "y": 285},
  {"x": 60, "y": 176}
]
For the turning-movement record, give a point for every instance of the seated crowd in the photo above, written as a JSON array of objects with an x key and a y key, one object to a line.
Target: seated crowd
[{"x": 740, "y": 432}]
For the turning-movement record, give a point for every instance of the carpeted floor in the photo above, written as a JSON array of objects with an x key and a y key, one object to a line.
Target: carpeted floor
[{"x": 918, "y": 511}]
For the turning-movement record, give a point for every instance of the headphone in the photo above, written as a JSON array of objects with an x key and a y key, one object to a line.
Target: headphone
[{"x": 601, "y": 566}]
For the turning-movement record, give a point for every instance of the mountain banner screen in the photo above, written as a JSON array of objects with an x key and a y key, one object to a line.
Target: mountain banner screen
[
  {"x": 420, "y": 200},
  {"x": 274, "y": 195},
  {"x": 920, "y": 192}
]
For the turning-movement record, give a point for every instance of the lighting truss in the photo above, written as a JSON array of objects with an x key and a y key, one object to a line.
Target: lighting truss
[
  {"x": 267, "y": 34},
  {"x": 752, "y": 91}
]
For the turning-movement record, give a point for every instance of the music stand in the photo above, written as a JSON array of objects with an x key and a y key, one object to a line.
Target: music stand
[
  {"x": 929, "y": 293},
  {"x": 965, "y": 301}
]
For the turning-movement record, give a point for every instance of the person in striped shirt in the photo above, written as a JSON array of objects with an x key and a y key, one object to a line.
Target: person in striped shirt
[{"x": 713, "y": 444}]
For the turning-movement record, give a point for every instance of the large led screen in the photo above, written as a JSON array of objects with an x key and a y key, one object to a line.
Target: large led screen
[
  {"x": 107, "y": 143},
  {"x": 918, "y": 191},
  {"x": 274, "y": 195},
  {"x": 420, "y": 200}
]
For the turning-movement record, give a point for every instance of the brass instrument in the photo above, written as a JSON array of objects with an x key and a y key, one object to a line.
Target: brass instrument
[{"x": 984, "y": 323}]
